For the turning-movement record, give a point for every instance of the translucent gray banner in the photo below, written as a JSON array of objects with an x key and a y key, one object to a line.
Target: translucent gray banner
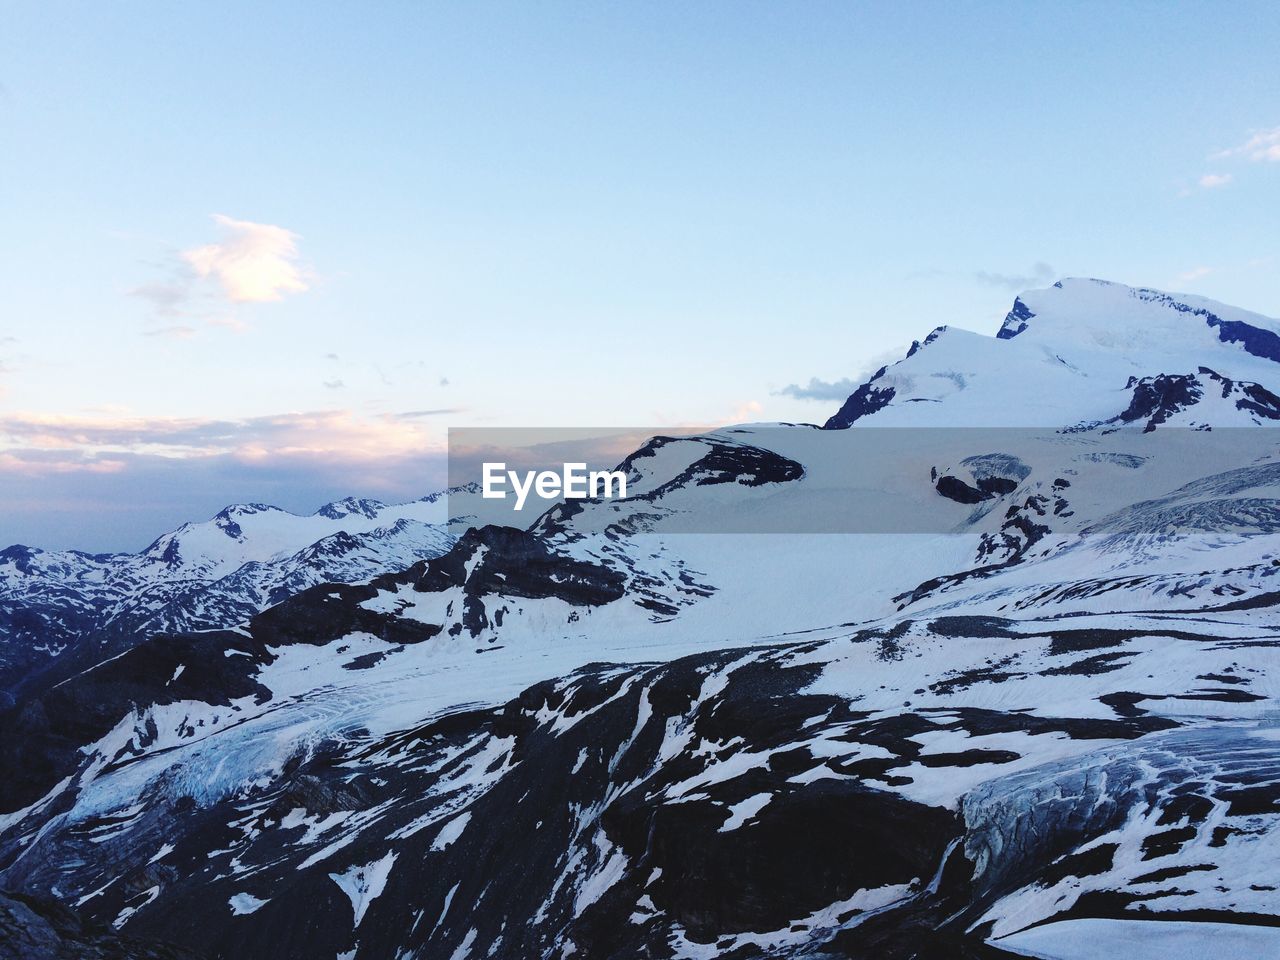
[{"x": 802, "y": 479}]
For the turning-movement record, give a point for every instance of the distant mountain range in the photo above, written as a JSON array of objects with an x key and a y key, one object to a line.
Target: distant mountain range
[{"x": 202, "y": 576}]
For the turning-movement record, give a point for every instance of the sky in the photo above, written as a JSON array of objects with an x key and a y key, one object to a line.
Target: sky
[{"x": 272, "y": 251}]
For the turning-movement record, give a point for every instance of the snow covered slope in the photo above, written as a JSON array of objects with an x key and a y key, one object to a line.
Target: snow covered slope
[{"x": 1005, "y": 668}]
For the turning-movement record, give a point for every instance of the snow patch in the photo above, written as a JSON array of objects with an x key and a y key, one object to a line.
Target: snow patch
[{"x": 364, "y": 884}]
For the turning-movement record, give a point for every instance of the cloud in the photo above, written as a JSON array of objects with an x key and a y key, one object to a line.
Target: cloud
[
  {"x": 234, "y": 324},
  {"x": 747, "y": 411},
  {"x": 1211, "y": 180},
  {"x": 839, "y": 390},
  {"x": 418, "y": 414},
  {"x": 254, "y": 263},
  {"x": 6, "y": 365},
  {"x": 168, "y": 299},
  {"x": 330, "y": 434},
  {"x": 177, "y": 331},
  {"x": 334, "y": 384},
  {"x": 1262, "y": 146},
  {"x": 1041, "y": 275},
  {"x": 1194, "y": 274},
  {"x": 20, "y": 463},
  {"x": 827, "y": 391}
]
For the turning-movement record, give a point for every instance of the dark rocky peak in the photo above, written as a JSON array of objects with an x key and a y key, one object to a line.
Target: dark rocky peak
[
  {"x": 1016, "y": 320},
  {"x": 515, "y": 563},
  {"x": 863, "y": 402},
  {"x": 238, "y": 510},
  {"x": 20, "y": 556},
  {"x": 333, "y": 545},
  {"x": 1155, "y": 399},
  {"x": 348, "y": 506},
  {"x": 724, "y": 461}
]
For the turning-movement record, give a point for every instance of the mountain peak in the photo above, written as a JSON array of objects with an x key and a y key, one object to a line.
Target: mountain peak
[
  {"x": 361, "y": 506},
  {"x": 1090, "y": 304},
  {"x": 237, "y": 510},
  {"x": 1015, "y": 320},
  {"x": 1070, "y": 347}
]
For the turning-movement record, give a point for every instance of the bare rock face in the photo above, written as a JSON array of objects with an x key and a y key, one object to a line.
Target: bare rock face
[{"x": 33, "y": 928}]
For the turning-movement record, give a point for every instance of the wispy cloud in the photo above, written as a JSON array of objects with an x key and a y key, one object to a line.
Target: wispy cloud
[
  {"x": 837, "y": 391},
  {"x": 177, "y": 331},
  {"x": 1041, "y": 274},
  {"x": 334, "y": 384},
  {"x": 1261, "y": 146},
  {"x": 815, "y": 389},
  {"x": 419, "y": 414},
  {"x": 1212, "y": 180},
  {"x": 234, "y": 324},
  {"x": 1194, "y": 274},
  {"x": 6, "y": 365},
  {"x": 254, "y": 262},
  {"x": 168, "y": 299},
  {"x": 338, "y": 434}
]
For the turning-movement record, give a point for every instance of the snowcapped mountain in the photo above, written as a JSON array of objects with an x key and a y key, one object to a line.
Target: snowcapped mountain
[
  {"x": 215, "y": 573},
  {"x": 1080, "y": 351},
  {"x": 988, "y": 668}
]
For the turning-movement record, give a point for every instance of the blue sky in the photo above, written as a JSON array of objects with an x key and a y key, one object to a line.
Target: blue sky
[{"x": 271, "y": 251}]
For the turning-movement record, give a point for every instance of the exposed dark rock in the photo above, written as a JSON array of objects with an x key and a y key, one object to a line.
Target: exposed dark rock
[
  {"x": 953, "y": 488},
  {"x": 863, "y": 402},
  {"x": 1255, "y": 340},
  {"x": 1015, "y": 321},
  {"x": 1155, "y": 399},
  {"x": 515, "y": 563},
  {"x": 40, "y": 928}
]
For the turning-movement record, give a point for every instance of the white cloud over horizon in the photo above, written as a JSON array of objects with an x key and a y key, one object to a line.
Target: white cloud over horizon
[
  {"x": 35, "y": 443},
  {"x": 254, "y": 263}
]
